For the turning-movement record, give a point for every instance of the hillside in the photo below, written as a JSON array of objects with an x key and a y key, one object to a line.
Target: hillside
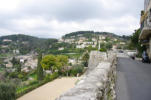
[
  {"x": 91, "y": 34},
  {"x": 24, "y": 43}
]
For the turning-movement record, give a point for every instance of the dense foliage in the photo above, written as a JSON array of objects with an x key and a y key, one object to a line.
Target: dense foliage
[
  {"x": 52, "y": 62},
  {"x": 7, "y": 91},
  {"x": 76, "y": 70},
  {"x": 135, "y": 43},
  {"x": 90, "y": 34},
  {"x": 26, "y": 44}
]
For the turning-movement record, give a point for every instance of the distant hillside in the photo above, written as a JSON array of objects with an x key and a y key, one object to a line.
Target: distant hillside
[
  {"x": 90, "y": 34},
  {"x": 26, "y": 43}
]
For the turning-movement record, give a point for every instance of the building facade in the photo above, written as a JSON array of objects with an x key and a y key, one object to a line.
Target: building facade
[{"x": 145, "y": 23}]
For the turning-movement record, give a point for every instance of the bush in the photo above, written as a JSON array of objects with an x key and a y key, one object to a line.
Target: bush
[
  {"x": 54, "y": 76},
  {"x": 47, "y": 78},
  {"x": 35, "y": 84},
  {"x": 7, "y": 91},
  {"x": 77, "y": 69},
  {"x": 51, "y": 77},
  {"x": 20, "y": 76},
  {"x": 13, "y": 75},
  {"x": 103, "y": 50}
]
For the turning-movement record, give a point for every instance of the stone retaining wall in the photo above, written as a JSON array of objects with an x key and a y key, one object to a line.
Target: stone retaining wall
[{"x": 99, "y": 81}]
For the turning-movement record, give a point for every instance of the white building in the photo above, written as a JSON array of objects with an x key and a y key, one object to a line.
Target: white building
[
  {"x": 69, "y": 40},
  {"x": 122, "y": 43},
  {"x": 7, "y": 40},
  {"x": 94, "y": 39},
  {"x": 16, "y": 51},
  {"x": 62, "y": 48},
  {"x": 72, "y": 61},
  {"x": 81, "y": 46},
  {"x": 101, "y": 37}
]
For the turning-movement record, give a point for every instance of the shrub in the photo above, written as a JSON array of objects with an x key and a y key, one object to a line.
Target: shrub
[
  {"x": 13, "y": 75},
  {"x": 7, "y": 91},
  {"x": 20, "y": 76},
  {"x": 51, "y": 77},
  {"x": 103, "y": 50},
  {"x": 33, "y": 82},
  {"x": 47, "y": 78},
  {"x": 77, "y": 69},
  {"x": 54, "y": 76}
]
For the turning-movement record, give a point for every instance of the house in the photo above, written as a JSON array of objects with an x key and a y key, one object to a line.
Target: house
[
  {"x": 114, "y": 48},
  {"x": 82, "y": 38},
  {"x": 94, "y": 39},
  {"x": 122, "y": 43},
  {"x": 9, "y": 65},
  {"x": 114, "y": 39},
  {"x": 16, "y": 51},
  {"x": 81, "y": 46},
  {"x": 69, "y": 40},
  {"x": 88, "y": 43},
  {"x": 7, "y": 40},
  {"x": 61, "y": 40},
  {"x": 72, "y": 61},
  {"x": 101, "y": 37},
  {"x": 4, "y": 46},
  {"x": 62, "y": 48},
  {"x": 145, "y": 26}
]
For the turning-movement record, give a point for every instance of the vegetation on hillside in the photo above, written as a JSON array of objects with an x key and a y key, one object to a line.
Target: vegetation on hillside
[
  {"x": 90, "y": 34},
  {"x": 25, "y": 44}
]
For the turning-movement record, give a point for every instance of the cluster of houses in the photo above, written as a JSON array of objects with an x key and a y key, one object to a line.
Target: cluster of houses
[
  {"x": 83, "y": 42},
  {"x": 28, "y": 62},
  {"x": 5, "y": 46}
]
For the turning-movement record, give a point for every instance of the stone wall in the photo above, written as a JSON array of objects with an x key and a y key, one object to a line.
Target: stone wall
[{"x": 98, "y": 82}]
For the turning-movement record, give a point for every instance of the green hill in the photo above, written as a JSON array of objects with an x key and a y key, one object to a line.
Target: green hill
[
  {"x": 25, "y": 43},
  {"x": 90, "y": 34}
]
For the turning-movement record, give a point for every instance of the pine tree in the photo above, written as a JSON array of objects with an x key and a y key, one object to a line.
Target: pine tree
[
  {"x": 39, "y": 68},
  {"x": 85, "y": 59}
]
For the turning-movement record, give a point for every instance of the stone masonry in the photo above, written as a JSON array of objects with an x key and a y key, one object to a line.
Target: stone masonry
[{"x": 98, "y": 82}]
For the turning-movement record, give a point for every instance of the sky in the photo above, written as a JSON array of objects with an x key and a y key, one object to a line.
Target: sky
[{"x": 54, "y": 18}]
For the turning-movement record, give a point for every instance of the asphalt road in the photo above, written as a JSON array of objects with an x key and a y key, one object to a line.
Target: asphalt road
[{"x": 133, "y": 80}]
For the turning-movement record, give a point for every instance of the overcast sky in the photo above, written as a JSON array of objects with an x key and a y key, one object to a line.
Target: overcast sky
[{"x": 54, "y": 18}]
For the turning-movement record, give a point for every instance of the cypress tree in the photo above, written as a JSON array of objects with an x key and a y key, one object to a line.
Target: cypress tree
[{"x": 39, "y": 68}]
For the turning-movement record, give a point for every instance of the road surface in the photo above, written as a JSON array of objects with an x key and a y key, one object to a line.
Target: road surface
[
  {"x": 51, "y": 90},
  {"x": 133, "y": 80}
]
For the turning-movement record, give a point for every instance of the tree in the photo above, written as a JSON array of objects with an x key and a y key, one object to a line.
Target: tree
[
  {"x": 16, "y": 63},
  {"x": 18, "y": 67},
  {"x": 51, "y": 62},
  {"x": 109, "y": 45},
  {"x": 85, "y": 59},
  {"x": 62, "y": 62},
  {"x": 135, "y": 44},
  {"x": 39, "y": 68},
  {"x": 7, "y": 91},
  {"x": 48, "y": 62}
]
